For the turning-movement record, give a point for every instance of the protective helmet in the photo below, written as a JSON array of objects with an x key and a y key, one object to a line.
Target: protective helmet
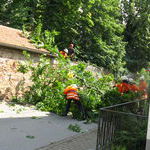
[
  {"x": 142, "y": 78},
  {"x": 74, "y": 86},
  {"x": 124, "y": 78},
  {"x": 66, "y": 50},
  {"x": 130, "y": 80}
]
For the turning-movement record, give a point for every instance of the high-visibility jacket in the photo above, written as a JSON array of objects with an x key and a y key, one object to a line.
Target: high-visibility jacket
[
  {"x": 63, "y": 53},
  {"x": 134, "y": 87},
  {"x": 142, "y": 86},
  {"x": 71, "y": 93},
  {"x": 123, "y": 87}
]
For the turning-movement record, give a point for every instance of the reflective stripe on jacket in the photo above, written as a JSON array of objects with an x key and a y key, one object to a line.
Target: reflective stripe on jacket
[
  {"x": 123, "y": 87},
  {"x": 134, "y": 88},
  {"x": 142, "y": 86},
  {"x": 71, "y": 93},
  {"x": 63, "y": 53}
]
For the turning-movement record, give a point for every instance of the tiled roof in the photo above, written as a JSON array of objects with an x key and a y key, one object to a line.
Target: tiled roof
[{"x": 11, "y": 37}]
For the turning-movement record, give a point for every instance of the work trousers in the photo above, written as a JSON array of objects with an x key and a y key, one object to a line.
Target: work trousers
[{"x": 77, "y": 102}]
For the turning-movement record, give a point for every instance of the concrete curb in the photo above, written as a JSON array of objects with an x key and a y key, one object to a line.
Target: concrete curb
[{"x": 81, "y": 141}]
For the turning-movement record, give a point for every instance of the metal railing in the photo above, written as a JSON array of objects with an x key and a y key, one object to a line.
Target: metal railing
[{"x": 123, "y": 126}]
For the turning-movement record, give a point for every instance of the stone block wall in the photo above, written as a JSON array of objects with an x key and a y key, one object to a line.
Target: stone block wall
[{"x": 11, "y": 80}]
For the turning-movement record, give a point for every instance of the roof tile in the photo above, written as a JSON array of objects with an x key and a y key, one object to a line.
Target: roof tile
[{"x": 13, "y": 36}]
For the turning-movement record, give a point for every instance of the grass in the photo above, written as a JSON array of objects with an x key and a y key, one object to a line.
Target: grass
[
  {"x": 30, "y": 137},
  {"x": 74, "y": 128},
  {"x": 35, "y": 117}
]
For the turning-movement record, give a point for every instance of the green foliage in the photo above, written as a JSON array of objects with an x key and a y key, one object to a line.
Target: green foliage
[
  {"x": 144, "y": 73},
  {"x": 19, "y": 100},
  {"x": 114, "y": 147},
  {"x": 133, "y": 135},
  {"x": 137, "y": 33},
  {"x": 16, "y": 13},
  {"x": 30, "y": 137},
  {"x": 74, "y": 128},
  {"x": 49, "y": 81},
  {"x": 131, "y": 129},
  {"x": 24, "y": 68},
  {"x": 113, "y": 97},
  {"x": 44, "y": 39},
  {"x": 102, "y": 43},
  {"x": 35, "y": 117},
  {"x": 96, "y": 27},
  {"x": 93, "y": 26}
]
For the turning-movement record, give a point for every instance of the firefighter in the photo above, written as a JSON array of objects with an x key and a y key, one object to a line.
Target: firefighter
[
  {"x": 133, "y": 87},
  {"x": 71, "y": 51},
  {"x": 124, "y": 86},
  {"x": 64, "y": 52},
  {"x": 71, "y": 93},
  {"x": 143, "y": 87}
]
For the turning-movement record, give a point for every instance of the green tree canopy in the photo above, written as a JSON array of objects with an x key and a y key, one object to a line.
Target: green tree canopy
[
  {"x": 94, "y": 26},
  {"x": 137, "y": 33}
]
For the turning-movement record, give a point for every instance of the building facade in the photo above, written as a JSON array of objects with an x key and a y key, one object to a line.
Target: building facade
[{"x": 12, "y": 45}]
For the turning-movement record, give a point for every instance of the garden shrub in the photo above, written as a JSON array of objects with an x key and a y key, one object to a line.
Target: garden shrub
[
  {"x": 133, "y": 133},
  {"x": 112, "y": 97},
  {"x": 49, "y": 81}
]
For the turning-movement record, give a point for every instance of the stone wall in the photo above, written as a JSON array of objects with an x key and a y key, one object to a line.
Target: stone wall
[{"x": 11, "y": 80}]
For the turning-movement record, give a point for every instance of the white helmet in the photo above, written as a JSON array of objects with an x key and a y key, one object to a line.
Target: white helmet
[
  {"x": 74, "y": 86},
  {"x": 66, "y": 50},
  {"x": 130, "y": 80},
  {"x": 124, "y": 78},
  {"x": 142, "y": 78}
]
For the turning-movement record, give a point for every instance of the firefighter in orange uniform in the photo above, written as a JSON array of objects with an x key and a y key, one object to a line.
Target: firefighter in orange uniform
[
  {"x": 133, "y": 86},
  {"x": 64, "y": 53},
  {"x": 124, "y": 86},
  {"x": 71, "y": 93},
  {"x": 143, "y": 87}
]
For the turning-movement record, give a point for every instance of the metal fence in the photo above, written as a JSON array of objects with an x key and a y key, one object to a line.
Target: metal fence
[{"x": 123, "y": 126}]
